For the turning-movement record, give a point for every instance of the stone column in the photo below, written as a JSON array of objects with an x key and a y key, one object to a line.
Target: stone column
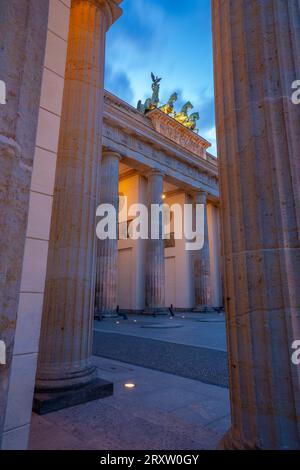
[
  {"x": 201, "y": 262},
  {"x": 155, "y": 260},
  {"x": 23, "y": 34},
  {"x": 256, "y": 55},
  {"x": 66, "y": 336},
  {"x": 106, "y": 297}
]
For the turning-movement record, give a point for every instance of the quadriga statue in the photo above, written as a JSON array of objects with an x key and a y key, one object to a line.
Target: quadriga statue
[
  {"x": 168, "y": 108},
  {"x": 153, "y": 102}
]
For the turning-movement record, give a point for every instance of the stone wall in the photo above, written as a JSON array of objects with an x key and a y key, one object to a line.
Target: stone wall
[{"x": 22, "y": 380}]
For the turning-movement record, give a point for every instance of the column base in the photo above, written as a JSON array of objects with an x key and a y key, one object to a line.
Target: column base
[
  {"x": 48, "y": 401},
  {"x": 112, "y": 314},
  {"x": 106, "y": 314},
  {"x": 228, "y": 442},
  {"x": 156, "y": 311},
  {"x": 204, "y": 309}
]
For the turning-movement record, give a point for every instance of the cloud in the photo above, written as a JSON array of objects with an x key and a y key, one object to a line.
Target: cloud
[
  {"x": 210, "y": 135},
  {"x": 170, "y": 39},
  {"x": 118, "y": 83},
  {"x": 206, "y": 110}
]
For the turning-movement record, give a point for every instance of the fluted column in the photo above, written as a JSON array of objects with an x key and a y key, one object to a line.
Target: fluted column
[
  {"x": 23, "y": 34},
  {"x": 66, "y": 337},
  {"x": 107, "y": 250},
  {"x": 155, "y": 260},
  {"x": 201, "y": 262},
  {"x": 256, "y": 55}
]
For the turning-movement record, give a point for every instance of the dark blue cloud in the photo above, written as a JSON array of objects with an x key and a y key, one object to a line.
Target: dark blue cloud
[
  {"x": 136, "y": 26},
  {"x": 206, "y": 110},
  {"x": 118, "y": 83},
  {"x": 171, "y": 38}
]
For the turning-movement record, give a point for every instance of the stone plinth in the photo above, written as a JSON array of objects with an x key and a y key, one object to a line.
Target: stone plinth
[{"x": 47, "y": 402}]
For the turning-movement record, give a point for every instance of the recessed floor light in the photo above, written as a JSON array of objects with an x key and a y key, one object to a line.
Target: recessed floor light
[{"x": 129, "y": 385}]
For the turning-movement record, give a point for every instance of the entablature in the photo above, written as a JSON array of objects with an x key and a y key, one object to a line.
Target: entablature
[{"x": 134, "y": 135}]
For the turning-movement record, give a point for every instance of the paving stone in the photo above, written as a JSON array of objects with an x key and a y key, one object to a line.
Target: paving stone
[
  {"x": 164, "y": 412},
  {"x": 206, "y": 365}
]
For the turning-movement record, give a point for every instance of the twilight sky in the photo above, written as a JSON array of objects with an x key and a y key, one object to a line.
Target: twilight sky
[{"x": 172, "y": 39}]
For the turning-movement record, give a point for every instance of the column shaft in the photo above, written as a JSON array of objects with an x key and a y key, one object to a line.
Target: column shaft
[
  {"x": 256, "y": 55},
  {"x": 107, "y": 250},
  {"x": 66, "y": 337},
  {"x": 22, "y": 48},
  {"x": 201, "y": 261},
  {"x": 155, "y": 260}
]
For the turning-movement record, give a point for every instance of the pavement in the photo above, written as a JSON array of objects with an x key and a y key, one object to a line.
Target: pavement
[
  {"x": 163, "y": 412},
  {"x": 200, "y": 330},
  {"x": 179, "y": 402},
  {"x": 189, "y": 345}
]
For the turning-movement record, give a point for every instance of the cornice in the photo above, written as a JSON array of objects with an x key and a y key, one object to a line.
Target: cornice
[
  {"x": 171, "y": 129},
  {"x": 113, "y": 100}
]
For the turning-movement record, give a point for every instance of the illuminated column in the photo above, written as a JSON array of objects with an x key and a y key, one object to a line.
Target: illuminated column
[
  {"x": 66, "y": 337},
  {"x": 201, "y": 264},
  {"x": 155, "y": 261},
  {"x": 22, "y": 48},
  {"x": 107, "y": 250},
  {"x": 256, "y": 55}
]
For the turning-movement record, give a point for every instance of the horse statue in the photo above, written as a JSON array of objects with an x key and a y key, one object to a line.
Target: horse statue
[
  {"x": 191, "y": 122},
  {"x": 182, "y": 117},
  {"x": 151, "y": 103},
  {"x": 168, "y": 108}
]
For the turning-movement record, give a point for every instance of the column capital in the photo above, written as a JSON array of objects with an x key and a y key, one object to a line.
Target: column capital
[
  {"x": 111, "y": 153},
  {"x": 200, "y": 197},
  {"x": 111, "y": 9},
  {"x": 153, "y": 172}
]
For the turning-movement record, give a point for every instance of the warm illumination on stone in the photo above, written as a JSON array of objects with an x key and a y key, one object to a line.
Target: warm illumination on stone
[{"x": 174, "y": 130}]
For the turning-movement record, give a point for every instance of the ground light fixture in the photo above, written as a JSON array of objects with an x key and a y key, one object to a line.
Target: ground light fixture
[{"x": 129, "y": 385}]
